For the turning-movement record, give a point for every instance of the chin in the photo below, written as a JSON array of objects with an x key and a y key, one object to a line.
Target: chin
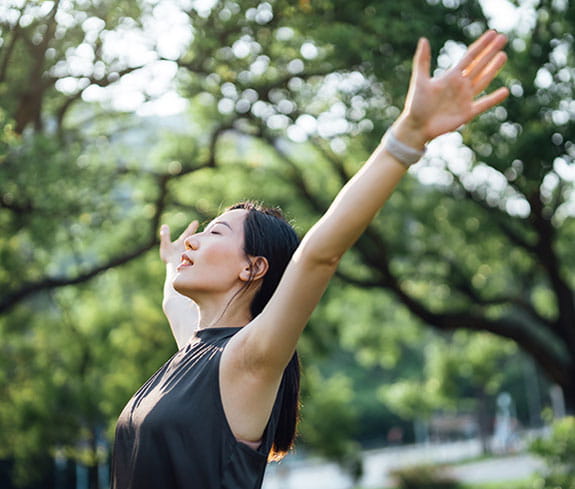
[{"x": 180, "y": 287}]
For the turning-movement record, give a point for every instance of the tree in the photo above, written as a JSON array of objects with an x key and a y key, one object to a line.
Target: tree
[
  {"x": 492, "y": 254},
  {"x": 281, "y": 93},
  {"x": 463, "y": 373},
  {"x": 37, "y": 96},
  {"x": 63, "y": 44},
  {"x": 501, "y": 261},
  {"x": 71, "y": 199}
]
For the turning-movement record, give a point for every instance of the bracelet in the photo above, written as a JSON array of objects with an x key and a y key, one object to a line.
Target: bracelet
[{"x": 403, "y": 153}]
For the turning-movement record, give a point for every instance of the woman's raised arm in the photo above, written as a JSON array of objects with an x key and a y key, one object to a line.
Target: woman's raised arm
[
  {"x": 434, "y": 106},
  {"x": 182, "y": 312}
]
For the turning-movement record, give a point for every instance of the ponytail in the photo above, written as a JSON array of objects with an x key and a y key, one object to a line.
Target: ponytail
[{"x": 289, "y": 411}]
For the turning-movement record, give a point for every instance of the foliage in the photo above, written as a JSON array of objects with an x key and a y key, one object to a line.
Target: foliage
[
  {"x": 285, "y": 100},
  {"x": 467, "y": 365},
  {"x": 521, "y": 484},
  {"x": 558, "y": 451},
  {"x": 462, "y": 373},
  {"x": 484, "y": 244},
  {"x": 64, "y": 45},
  {"x": 65, "y": 380},
  {"x": 332, "y": 406},
  {"x": 424, "y": 477},
  {"x": 65, "y": 187}
]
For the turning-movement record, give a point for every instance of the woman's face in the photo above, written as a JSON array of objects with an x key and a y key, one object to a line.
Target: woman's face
[{"x": 214, "y": 261}]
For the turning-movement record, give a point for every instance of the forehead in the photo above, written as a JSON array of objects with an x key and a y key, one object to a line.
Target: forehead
[{"x": 234, "y": 218}]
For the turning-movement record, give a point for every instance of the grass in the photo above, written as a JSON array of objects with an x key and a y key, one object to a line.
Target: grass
[{"x": 521, "y": 484}]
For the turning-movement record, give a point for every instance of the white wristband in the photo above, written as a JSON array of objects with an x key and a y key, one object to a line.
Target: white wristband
[{"x": 403, "y": 153}]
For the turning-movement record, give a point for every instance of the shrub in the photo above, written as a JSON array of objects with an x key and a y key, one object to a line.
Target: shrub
[
  {"x": 424, "y": 477},
  {"x": 558, "y": 452}
]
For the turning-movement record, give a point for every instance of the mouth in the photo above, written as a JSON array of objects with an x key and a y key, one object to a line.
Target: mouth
[{"x": 186, "y": 261}]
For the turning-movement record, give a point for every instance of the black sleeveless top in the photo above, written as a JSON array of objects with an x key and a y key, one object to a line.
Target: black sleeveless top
[{"x": 173, "y": 434}]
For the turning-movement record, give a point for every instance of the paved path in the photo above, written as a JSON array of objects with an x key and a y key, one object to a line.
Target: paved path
[
  {"x": 315, "y": 474},
  {"x": 510, "y": 468}
]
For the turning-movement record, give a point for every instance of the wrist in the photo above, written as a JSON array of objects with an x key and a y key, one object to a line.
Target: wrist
[
  {"x": 408, "y": 133},
  {"x": 405, "y": 153}
]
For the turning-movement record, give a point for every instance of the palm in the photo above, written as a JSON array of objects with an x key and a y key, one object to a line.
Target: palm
[
  {"x": 445, "y": 103},
  {"x": 441, "y": 104}
]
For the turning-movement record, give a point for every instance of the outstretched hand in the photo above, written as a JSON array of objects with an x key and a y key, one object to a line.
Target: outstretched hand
[
  {"x": 171, "y": 251},
  {"x": 441, "y": 104}
]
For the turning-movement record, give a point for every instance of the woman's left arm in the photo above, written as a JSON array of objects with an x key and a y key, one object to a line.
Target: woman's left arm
[{"x": 182, "y": 313}]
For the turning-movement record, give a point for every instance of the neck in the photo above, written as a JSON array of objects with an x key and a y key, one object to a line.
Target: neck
[
  {"x": 228, "y": 312},
  {"x": 222, "y": 320}
]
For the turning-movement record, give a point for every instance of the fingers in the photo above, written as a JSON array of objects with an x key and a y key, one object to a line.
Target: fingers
[
  {"x": 165, "y": 238},
  {"x": 481, "y": 82},
  {"x": 191, "y": 229},
  {"x": 474, "y": 50},
  {"x": 485, "y": 57},
  {"x": 486, "y": 102},
  {"x": 164, "y": 242},
  {"x": 481, "y": 64},
  {"x": 169, "y": 250}
]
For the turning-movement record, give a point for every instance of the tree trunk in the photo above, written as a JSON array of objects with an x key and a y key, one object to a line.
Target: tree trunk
[
  {"x": 93, "y": 479},
  {"x": 569, "y": 393},
  {"x": 483, "y": 421}
]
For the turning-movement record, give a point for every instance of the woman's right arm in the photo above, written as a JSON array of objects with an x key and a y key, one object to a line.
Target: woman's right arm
[
  {"x": 434, "y": 106},
  {"x": 182, "y": 312}
]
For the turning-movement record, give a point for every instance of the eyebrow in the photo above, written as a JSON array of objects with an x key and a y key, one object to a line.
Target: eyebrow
[{"x": 224, "y": 223}]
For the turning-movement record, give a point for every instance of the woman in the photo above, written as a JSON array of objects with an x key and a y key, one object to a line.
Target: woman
[{"x": 212, "y": 414}]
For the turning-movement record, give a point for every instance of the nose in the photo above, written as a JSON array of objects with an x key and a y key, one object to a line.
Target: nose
[{"x": 192, "y": 242}]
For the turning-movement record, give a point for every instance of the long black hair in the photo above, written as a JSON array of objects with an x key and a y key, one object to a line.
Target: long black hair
[{"x": 268, "y": 234}]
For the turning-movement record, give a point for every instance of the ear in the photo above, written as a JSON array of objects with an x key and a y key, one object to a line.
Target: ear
[{"x": 255, "y": 270}]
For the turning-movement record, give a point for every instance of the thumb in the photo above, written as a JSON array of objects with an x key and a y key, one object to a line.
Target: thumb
[
  {"x": 164, "y": 234},
  {"x": 422, "y": 59},
  {"x": 420, "y": 69}
]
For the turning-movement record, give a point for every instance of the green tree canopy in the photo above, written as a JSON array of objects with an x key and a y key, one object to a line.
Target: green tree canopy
[
  {"x": 484, "y": 244},
  {"x": 286, "y": 99}
]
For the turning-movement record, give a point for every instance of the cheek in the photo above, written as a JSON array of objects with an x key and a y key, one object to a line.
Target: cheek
[{"x": 224, "y": 256}]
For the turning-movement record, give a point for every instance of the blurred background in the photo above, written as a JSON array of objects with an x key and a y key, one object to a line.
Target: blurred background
[{"x": 452, "y": 320}]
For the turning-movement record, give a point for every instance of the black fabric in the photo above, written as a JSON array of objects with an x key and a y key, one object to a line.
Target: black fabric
[{"x": 173, "y": 433}]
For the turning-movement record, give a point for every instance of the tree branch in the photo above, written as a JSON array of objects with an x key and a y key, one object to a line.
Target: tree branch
[
  {"x": 46, "y": 283},
  {"x": 28, "y": 289},
  {"x": 372, "y": 248},
  {"x": 9, "y": 48},
  {"x": 548, "y": 259},
  {"x": 335, "y": 162},
  {"x": 296, "y": 176},
  {"x": 462, "y": 283},
  {"x": 498, "y": 216}
]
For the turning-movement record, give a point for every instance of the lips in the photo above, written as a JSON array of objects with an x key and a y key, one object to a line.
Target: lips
[{"x": 186, "y": 261}]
